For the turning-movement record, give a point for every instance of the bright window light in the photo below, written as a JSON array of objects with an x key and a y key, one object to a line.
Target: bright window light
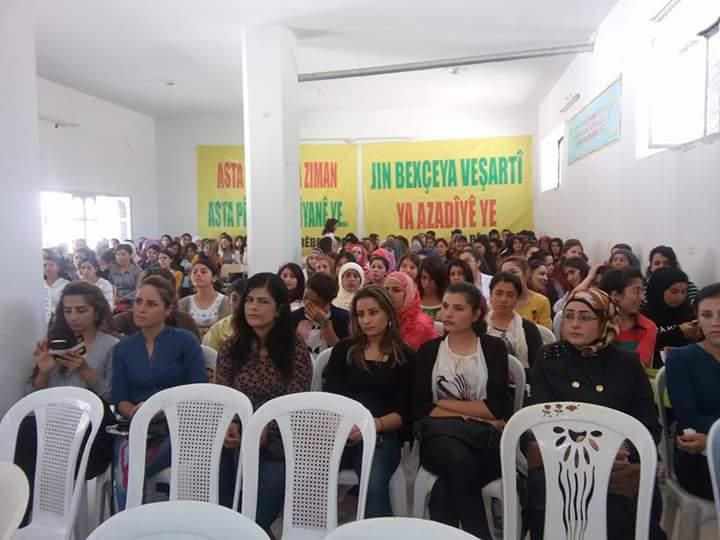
[
  {"x": 683, "y": 65},
  {"x": 69, "y": 216},
  {"x": 551, "y": 154}
]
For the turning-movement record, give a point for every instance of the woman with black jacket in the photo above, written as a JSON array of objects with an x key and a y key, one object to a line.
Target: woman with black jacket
[{"x": 465, "y": 375}]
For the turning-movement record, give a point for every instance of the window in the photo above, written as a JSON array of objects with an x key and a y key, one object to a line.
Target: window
[
  {"x": 68, "y": 216},
  {"x": 685, "y": 73},
  {"x": 552, "y": 153}
]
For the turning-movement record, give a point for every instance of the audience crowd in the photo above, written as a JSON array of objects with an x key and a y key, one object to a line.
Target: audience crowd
[{"x": 419, "y": 329}]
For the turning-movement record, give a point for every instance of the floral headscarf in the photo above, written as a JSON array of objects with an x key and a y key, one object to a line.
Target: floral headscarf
[
  {"x": 606, "y": 309},
  {"x": 362, "y": 260},
  {"x": 388, "y": 255}
]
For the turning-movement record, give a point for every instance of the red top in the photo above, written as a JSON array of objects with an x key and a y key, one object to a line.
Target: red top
[{"x": 640, "y": 339}]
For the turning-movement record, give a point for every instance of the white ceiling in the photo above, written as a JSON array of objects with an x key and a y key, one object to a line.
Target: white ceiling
[{"x": 124, "y": 51}]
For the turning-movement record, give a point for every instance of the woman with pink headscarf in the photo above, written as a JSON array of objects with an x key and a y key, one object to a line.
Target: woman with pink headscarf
[
  {"x": 415, "y": 327},
  {"x": 388, "y": 255}
]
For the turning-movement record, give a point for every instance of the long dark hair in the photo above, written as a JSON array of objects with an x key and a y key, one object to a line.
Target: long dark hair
[
  {"x": 391, "y": 343},
  {"x": 436, "y": 269},
  {"x": 474, "y": 297},
  {"x": 93, "y": 296},
  {"x": 296, "y": 271},
  {"x": 465, "y": 267},
  {"x": 280, "y": 341}
]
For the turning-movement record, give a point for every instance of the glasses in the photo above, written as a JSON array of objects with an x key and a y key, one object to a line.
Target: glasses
[{"x": 582, "y": 317}]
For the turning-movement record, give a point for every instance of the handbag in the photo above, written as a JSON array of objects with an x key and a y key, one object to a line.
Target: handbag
[{"x": 476, "y": 434}]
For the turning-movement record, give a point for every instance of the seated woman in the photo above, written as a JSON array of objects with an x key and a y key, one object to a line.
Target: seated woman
[
  {"x": 574, "y": 271},
  {"x": 441, "y": 248},
  {"x": 415, "y": 327},
  {"x": 325, "y": 265},
  {"x": 166, "y": 262},
  {"x": 464, "y": 374},
  {"x": 124, "y": 276},
  {"x": 476, "y": 262},
  {"x": 157, "y": 357},
  {"x": 637, "y": 332},
  {"x": 350, "y": 279},
  {"x": 531, "y": 305},
  {"x": 224, "y": 328},
  {"x": 410, "y": 264},
  {"x": 587, "y": 367},
  {"x": 311, "y": 261},
  {"x": 263, "y": 360},
  {"x": 55, "y": 281},
  {"x": 360, "y": 254},
  {"x": 378, "y": 269},
  {"x": 668, "y": 307},
  {"x": 522, "y": 338},
  {"x": 207, "y": 306},
  {"x": 459, "y": 272},
  {"x": 294, "y": 280},
  {"x": 661, "y": 256},
  {"x": 693, "y": 382},
  {"x": 320, "y": 324},
  {"x": 539, "y": 279},
  {"x": 624, "y": 258},
  {"x": 82, "y": 313},
  {"x": 124, "y": 324},
  {"x": 374, "y": 367},
  {"x": 89, "y": 273},
  {"x": 432, "y": 282},
  {"x": 342, "y": 258}
]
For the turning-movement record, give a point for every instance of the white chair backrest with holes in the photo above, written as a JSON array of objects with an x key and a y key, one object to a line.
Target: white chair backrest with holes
[
  {"x": 439, "y": 328},
  {"x": 578, "y": 443},
  {"x": 546, "y": 334},
  {"x": 666, "y": 442},
  {"x": 517, "y": 371},
  {"x": 557, "y": 325},
  {"x": 398, "y": 527},
  {"x": 198, "y": 416},
  {"x": 63, "y": 416},
  {"x": 320, "y": 362},
  {"x": 713, "y": 456},
  {"x": 314, "y": 427},
  {"x": 171, "y": 520},
  {"x": 16, "y": 492},
  {"x": 209, "y": 357}
]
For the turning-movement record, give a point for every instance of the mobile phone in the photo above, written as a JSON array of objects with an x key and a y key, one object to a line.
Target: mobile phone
[{"x": 59, "y": 347}]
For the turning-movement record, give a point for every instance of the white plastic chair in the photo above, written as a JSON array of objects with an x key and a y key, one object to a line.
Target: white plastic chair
[
  {"x": 425, "y": 480},
  {"x": 694, "y": 511},
  {"x": 16, "y": 492},
  {"x": 198, "y": 416},
  {"x": 320, "y": 362},
  {"x": 713, "y": 456},
  {"x": 314, "y": 427},
  {"x": 546, "y": 334},
  {"x": 209, "y": 357},
  {"x": 395, "y": 528},
  {"x": 171, "y": 520},
  {"x": 578, "y": 443},
  {"x": 63, "y": 415},
  {"x": 557, "y": 325}
]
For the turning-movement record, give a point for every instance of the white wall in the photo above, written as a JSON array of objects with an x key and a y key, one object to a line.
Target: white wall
[
  {"x": 613, "y": 195},
  {"x": 21, "y": 289},
  {"x": 178, "y": 137},
  {"x": 112, "y": 151}
]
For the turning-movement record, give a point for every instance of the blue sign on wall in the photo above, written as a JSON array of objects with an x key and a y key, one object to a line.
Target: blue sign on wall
[{"x": 597, "y": 125}]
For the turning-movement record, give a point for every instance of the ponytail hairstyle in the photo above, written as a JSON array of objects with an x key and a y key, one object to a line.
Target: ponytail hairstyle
[
  {"x": 474, "y": 297},
  {"x": 391, "y": 343}
]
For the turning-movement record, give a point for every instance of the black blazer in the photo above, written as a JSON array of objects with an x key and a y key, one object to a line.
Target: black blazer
[{"x": 499, "y": 400}]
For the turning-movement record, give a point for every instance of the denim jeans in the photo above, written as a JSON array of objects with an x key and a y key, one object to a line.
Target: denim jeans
[
  {"x": 271, "y": 486},
  {"x": 385, "y": 461}
]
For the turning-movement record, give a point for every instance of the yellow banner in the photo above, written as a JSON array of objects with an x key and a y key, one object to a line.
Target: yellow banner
[
  {"x": 474, "y": 185},
  {"x": 328, "y": 189},
  {"x": 221, "y": 190},
  {"x": 328, "y": 180}
]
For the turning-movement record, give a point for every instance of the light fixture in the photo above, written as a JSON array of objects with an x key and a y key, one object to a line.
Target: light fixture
[{"x": 569, "y": 102}]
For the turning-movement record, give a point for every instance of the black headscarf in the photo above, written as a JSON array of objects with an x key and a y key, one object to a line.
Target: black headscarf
[{"x": 656, "y": 309}]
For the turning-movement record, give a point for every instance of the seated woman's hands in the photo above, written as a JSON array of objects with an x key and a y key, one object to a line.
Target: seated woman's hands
[
  {"x": 43, "y": 359},
  {"x": 692, "y": 443}
]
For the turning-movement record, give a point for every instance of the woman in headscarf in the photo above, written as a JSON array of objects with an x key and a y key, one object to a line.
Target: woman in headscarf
[
  {"x": 360, "y": 254},
  {"x": 661, "y": 256},
  {"x": 310, "y": 261},
  {"x": 622, "y": 258},
  {"x": 389, "y": 257},
  {"x": 350, "y": 279},
  {"x": 415, "y": 327},
  {"x": 586, "y": 366},
  {"x": 668, "y": 307}
]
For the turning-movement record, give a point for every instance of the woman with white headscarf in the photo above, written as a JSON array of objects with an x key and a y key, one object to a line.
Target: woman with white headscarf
[{"x": 350, "y": 279}]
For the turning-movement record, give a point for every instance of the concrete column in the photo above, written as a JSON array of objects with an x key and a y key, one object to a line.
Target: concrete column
[
  {"x": 272, "y": 152},
  {"x": 21, "y": 287}
]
